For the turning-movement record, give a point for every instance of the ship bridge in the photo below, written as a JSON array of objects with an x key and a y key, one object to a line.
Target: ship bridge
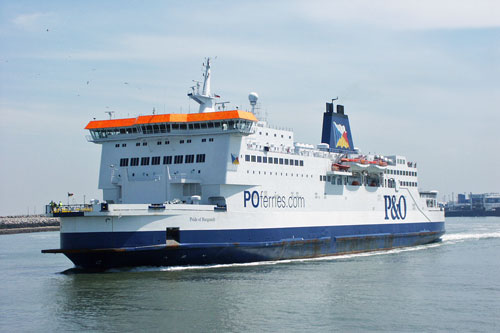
[{"x": 233, "y": 121}]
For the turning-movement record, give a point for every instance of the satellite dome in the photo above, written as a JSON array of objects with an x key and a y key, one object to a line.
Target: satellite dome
[{"x": 253, "y": 97}]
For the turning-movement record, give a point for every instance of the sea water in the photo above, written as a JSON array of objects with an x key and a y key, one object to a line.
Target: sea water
[{"x": 453, "y": 285}]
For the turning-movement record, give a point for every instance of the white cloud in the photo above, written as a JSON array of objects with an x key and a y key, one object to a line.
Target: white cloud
[
  {"x": 163, "y": 48},
  {"x": 31, "y": 21},
  {"x": 408, "y": 14}
]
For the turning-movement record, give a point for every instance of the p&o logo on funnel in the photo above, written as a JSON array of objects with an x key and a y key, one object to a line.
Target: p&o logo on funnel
[{"x": 343, "y": 141}]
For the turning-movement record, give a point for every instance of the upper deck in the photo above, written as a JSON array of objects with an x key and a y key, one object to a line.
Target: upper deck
[{"x": 234, "y": 121}]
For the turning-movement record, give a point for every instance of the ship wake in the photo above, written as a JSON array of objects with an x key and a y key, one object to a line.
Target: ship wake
[{"x": 462, "y": 237}]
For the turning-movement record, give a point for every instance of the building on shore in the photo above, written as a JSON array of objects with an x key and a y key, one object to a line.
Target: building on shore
[{"x": 484, "y": 204}]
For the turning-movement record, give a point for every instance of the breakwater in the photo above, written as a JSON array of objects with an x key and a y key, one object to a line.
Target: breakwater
[{"x": 28, "y": 223}]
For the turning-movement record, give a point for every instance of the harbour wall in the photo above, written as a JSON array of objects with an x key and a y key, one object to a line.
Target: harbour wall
[{"x": 28, "y": 223}]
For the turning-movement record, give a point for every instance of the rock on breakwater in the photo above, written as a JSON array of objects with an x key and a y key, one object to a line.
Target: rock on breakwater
[{"x": 28, "y": 223}]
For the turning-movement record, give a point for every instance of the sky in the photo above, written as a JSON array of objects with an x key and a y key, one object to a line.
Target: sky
[{"x": 418, "y": 78}]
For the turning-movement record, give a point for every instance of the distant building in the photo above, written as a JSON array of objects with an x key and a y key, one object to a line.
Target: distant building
[{"x": 485, "y": 204}]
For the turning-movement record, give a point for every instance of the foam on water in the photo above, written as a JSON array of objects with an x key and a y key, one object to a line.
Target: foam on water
[{"x": 461, "y": 237}]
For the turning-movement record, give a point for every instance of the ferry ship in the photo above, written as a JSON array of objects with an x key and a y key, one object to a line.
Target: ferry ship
[{"x": 221, "y": 186}]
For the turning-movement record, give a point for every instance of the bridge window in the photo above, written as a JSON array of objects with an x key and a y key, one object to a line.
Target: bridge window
[
  {"x": 189, "y": 158},
  {"x": 253, "y": 158},
  {"x": 259, "y": 159},
  {"x": 124, "y": 162},
  {"x": 117, "y": 145},
  {"x": 145, "y": 161},
  {"x": 134, "y": 161},
  {"x": 167, "y": 159},
  {"x": 247, "y": 158},
  {"x": 156, "y": 160},
  {"x": 301, "y": 163}
]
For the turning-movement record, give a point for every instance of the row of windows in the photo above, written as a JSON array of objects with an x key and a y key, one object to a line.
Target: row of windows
[
  {"x": 342, "y": 180},
  {"x": 137, "y": 144},
  {"x": 273, "y": 160},
  {"x": 155, "y": 160},
  {"x": 224, "y": 125},
  {"x": 370, "y": 182},
  {"x": 411, "y": 184},
  {"x": 401, "y": 172},
  {"x": 267, "y": 134},
  {"x": 281, "y": 174},
  {"x": 165, "y": 128}
]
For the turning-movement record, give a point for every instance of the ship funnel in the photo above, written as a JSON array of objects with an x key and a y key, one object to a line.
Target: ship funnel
[{"x": 336, "y": 130}]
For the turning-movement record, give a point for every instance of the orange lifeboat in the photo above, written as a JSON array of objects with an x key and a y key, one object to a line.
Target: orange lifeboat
[{"x": 340, "y": 167}]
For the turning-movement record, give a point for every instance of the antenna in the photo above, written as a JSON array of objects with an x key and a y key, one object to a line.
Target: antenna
[
  {"x": 223, "y": 105},
  {"x": 110, "y": 113}
]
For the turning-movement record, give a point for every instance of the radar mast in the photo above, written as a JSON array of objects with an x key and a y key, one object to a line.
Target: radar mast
[{"x": 206, "y": 101}]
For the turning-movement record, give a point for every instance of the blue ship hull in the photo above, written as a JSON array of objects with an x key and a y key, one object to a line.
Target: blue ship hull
[{"x": 100, "y": 251}]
